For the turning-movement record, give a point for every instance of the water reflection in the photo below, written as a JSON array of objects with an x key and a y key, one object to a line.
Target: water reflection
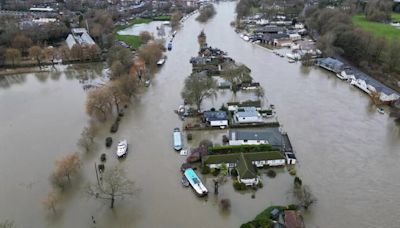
[{"x": 9, "y": 80}]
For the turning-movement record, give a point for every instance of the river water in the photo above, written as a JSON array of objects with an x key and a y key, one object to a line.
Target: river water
[{"x": 347, "y": 152}]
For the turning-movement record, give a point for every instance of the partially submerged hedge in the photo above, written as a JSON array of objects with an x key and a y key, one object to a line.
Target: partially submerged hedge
[{"x": 240, "y": 148}]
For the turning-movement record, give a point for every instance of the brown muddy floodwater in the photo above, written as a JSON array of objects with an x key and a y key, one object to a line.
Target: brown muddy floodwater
[{"x": 348, "y": 153}]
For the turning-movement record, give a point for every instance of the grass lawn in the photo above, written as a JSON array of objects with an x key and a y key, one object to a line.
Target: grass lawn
[
  {"x": 132, "y": 40},
  {"x": 378, "y": 29},
  {"x": 396, "y": 16},
  {"x": 162, "y": 18}
]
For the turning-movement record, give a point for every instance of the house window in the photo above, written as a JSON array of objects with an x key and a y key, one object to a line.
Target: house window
[
  {"x": 258, "y": 141},
  {"x": 245, "y": 140}
]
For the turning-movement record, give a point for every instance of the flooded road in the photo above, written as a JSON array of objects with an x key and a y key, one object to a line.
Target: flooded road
[{"x": 347, "y": 152}]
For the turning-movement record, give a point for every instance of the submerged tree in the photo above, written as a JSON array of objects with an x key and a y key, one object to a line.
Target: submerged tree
[
  {"x": 236, "y": 75},
  {"x": 175, "y": 19},
  {"x": 304, "y": 196},
  {"x": 198, "y": 87},
  {"x": 99, "y": 104},
  {"x": 87, "y": 136},
  {"x": 12, "y": 55},
  {"x": 37, "y": 53},
  {"x": 50, "y": 202},
  {"x": 7, "y": 224},
  {"x": 202, "y": 39},
  {"x": 114, "y": 185}
]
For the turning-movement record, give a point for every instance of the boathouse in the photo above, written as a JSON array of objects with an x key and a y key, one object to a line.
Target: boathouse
[{"x": 331, "y": 64}]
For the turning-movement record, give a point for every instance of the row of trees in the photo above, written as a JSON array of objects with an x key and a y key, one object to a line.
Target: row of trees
[
  {"x": 49, "y": 54},
  {"x": 338, "y": 36}
]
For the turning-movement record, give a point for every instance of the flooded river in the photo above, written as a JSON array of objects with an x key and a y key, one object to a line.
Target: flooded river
[{"x": 347, "y": 152}]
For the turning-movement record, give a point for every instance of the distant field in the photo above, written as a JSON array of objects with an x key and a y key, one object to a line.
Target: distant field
[{"x": 378, "y": 29}]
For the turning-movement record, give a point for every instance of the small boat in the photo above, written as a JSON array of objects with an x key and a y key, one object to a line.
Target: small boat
[
  {"x": 291, "y": 61},
  {"x": 147, "y": 83},
  {"x": 185, "y": 182},
  {"x": 174, "y": 33},
  {"x": 380, "y": 110},
  {"x": 177, "y": 139},
  {"x": 161, "y": 61},
  {"x": 122, "y": 148},
  {"x": 169, "y": 46},
  {"x": 195, "y": 182}
]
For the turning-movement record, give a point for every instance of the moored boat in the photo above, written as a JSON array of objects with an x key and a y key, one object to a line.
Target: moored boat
[
  {"x": 195, "y": 182},
  {"x": 177, "y": 139},
  {"x": 122, "y": 148}
]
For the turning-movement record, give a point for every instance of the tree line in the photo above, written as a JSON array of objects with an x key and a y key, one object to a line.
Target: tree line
[{"x": 337, "y": 35}]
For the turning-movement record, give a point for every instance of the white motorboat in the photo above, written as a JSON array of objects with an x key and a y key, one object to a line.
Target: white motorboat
[
  {"x": 122, "y": 148},
  {"x": 380, "y": 110},
  {"x": 161, "y": 61}
]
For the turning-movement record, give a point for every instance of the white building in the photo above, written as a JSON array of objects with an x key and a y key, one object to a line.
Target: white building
[
  {"x": 247, "y": 115},
  {"x": 79, "y": 36},
  {"x": 248, "y": 137}
]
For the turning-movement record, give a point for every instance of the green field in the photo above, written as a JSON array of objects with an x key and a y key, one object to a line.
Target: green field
[
  {"x": 132, "y": 40},
  {"x": 378, "y": 29}
]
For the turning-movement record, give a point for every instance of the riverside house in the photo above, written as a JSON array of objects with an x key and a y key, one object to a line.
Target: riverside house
[
  {"x": 245, "y": 163},
  {"x": 247, "y": 115},
  {"x": 268, "y": 135},
  {"x": 215, "y": 118}
]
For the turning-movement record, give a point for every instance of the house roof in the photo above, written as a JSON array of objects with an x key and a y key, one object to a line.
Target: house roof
[
  {"x": 245, "y": 168},
  {"x": 247, "y": 112},
  {"x": 271, "y": 134},
  {"x": 215, "y": 115},
  {"x": 291, "y": 219},
  {"x": 331, "y": 62},
  {"x": 270, "y": 29},
  {"x": 271, "y": 37}
]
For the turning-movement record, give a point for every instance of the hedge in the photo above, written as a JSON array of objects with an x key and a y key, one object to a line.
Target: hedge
[{"x": 240, "y": 148}]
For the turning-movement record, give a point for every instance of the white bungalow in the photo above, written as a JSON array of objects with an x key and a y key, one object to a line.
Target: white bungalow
[
  {"x": 216, "y": 118},
  {"x": 247, "y": 115},
  {"x": 79, "y": 36},
  {"x": 246, "y": 137}
]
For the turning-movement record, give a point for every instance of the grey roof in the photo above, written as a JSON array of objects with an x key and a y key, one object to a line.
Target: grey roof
[
  {"x": 331, "y": 62},
  {"x": 212, "y": 115},
  {"x": 247, "y": 112},
  {"x": 79, "y": 36},
  {"x": 271, "y": 134},
  {"x": 271, "y": 29},
  {"x": 271, "y": 37}
]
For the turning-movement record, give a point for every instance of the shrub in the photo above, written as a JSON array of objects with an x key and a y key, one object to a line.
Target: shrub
[
  {"x": 206, "y": 143},
  {"x": 212, "y": 109},
  {"x": 205, "y": 170},
  {"x": 292, "y": 207},
  {"x": 114, "y": 127},
  {"x": 101, "y": 167},
  {"x": 240, "y": 148},
  {"x": 103, "y": 157},
  {"x": 189, "y": 136},
  {"x": 223, "y": 108},
  {"x": 109, "y": 141},
  {"x": 215, "y": 172},
  {"x": 225, "y": 204},
  {"x": 260, "y": 185},
  {"x": 225, "y": 139},
  {"x": 239, "y": 186},
  {"x": 297, "y": 182},
  {"x": 271, "y": 173},
  {"x": 292, "y": 171},
  {"x": 234, "y": 173}
]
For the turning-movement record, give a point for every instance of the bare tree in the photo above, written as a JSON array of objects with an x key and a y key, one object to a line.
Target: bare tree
[
  {"x": 51, "y": 54},
  {"x": 12, "y": 55},
  {"x": 118, "y": 95},
  {"x": 379, "y": 10},
  {"x": 21, "y": 42},
  {"x": 68, "y": 166},
  {"x": 145, "y": 37},
  {"x": 37, "y": 53},
  {"x": 198, "y": 87},
  {"x": 117, "y": 69},
  {"x": 99, "y": 104},
  {"x": 304, "y": 196},
  {"x": 205, "y": 13},
  {"x": 51, "y": 200},
  {"x": 128, "y": 84},
  {"x": 236, "y": 75},
  {"x": 175, "y": 19},
  {"x": 150, "y": 53},
  {"x": 114, "y": 185},
  {"x": 7, "y": 224},
  {"x": 87, "y": 137}
]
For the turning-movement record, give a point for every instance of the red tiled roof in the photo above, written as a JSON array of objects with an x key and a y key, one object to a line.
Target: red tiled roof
[{"x": 291, "y": 219}]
